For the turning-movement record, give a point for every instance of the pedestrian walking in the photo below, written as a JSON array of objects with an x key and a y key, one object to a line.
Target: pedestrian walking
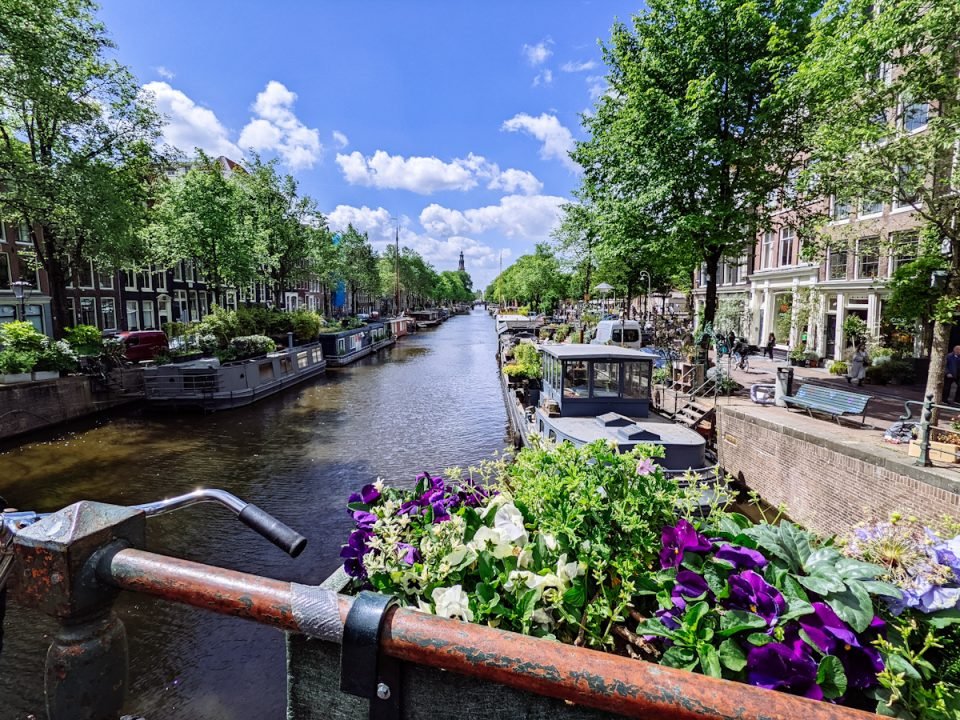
[
  {"x": 768, "y": 348},
  {"x": 952, "y": 376},
  {"x": 858, "y": 365}
]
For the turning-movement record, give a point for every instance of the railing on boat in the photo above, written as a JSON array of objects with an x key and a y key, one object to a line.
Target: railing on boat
[{"x": 92, "y": 551}]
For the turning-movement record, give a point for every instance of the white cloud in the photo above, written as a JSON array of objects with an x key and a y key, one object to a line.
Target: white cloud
[
  {"x": 513, "y": 180},
  {"x": 276, "y": 128},
  {"x": 544, "y": 77},
  {"x": 574, "y": 66},
  {"x": 189, "y": 125},
  {"x": 164, "y": 72},
  {"x": 539, "y": 53},
  {"x": 516, "y": 216},
  {"x": 557, "y": 140},
  {"x": 340, "y": 139},
  {"x": 596, "y": 86},
  {"x": 422, "y": 175}
]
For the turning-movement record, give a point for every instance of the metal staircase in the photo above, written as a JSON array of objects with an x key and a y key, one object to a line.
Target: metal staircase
[{"x": 694, "y": 412}]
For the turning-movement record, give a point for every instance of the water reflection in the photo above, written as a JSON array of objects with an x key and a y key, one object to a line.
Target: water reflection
[{"x": 429, "y": 403}]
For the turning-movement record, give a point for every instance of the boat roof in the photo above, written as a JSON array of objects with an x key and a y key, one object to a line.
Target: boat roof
[
  {"x": 515, "y": 318},
  {"x": 588, "y": 429},
  {"x": 577, "y": 351}
]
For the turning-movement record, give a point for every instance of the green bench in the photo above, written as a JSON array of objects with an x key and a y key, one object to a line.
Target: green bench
[{"x": 816, "y": 398}]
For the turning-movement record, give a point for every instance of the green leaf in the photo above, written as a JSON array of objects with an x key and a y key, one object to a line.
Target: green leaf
[
  {"x": 736, "y": 621},
  {"x": 821, "y": 584},
  {"x": 876, "y": 587},
  {"x": 831, "y": 677},
  {"x": 575, "y": 595},
  {"x": 796, "y": 542},
  {"x": 527, "y": 604},
  {"x": 474, "y": 522},
  {"x": 681, "y": 657},
  {"x": 485, "y": 566},
  {"x": 792, "y": 590},
  {"x": 759, "y": 639},
  {"x": 653, "y": 626},
  {"x": 732, "y": 655},
  {"x": 943, "y": 618},
  {"x": 716, "y": 579},
  {"x": 899, "y": 664},
  {"x": 709, "y": 660},
  {"x": 853, "y": 605},
  {"x": 850, "y": 569},
  {"x": 694, "y": 614},
  {"x": 795, "y": 609},
  {"x": 485, "y": 592}
]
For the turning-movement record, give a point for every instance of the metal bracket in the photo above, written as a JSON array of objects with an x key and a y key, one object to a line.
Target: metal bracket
[{"x": 364, "y": 672}]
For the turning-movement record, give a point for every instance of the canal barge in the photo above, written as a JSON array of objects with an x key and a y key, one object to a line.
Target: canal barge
[
  {"x": 426, "y": 318},
  {"x": 513, "y": 323},
  {"x": 347, "y": 346},
  {"x": 209, "y": 385},
  {"x": 600, "y": 392},
  {"x": 400, "y": 326}
]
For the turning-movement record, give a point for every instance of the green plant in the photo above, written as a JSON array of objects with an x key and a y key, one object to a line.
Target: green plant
[
  {"x": 798, "y": 354},
  {"x": 15, "y": 362},
  {"x": 22, "y": 336},
  {"x": 208, "y": 344},
  {"x": 58, "y": 356},
  {"x": 661, "y": 376},
  {"x": 854, "y": 329},
  {"x": 838, "y": 367},
  {"x": 242, "y": 348},
  {"x": 561, "y": 333},
  {"x": 85, "y": 339}
]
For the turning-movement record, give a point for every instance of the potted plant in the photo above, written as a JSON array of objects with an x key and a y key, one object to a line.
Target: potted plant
[
  {"x": 55, "y": 358},
  {"x": 797, "y": 357},
  {"x": 15, "y": 365}
]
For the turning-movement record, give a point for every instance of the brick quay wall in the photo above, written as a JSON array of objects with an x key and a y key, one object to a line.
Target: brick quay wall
[{"x": 828, "y": 479}]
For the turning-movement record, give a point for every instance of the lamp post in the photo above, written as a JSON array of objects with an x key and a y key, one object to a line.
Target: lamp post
[
  {"x": 646, "y": 301},
  {"x": 21, "y": 291}
]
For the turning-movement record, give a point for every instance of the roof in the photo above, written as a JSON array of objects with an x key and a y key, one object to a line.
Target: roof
[{"x": 577, "y": 351}]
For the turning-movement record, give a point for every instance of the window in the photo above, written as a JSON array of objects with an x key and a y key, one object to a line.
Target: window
[
  {"x": 178, "y": 271},
  {"x": 160, "y": 279},
  {"x": 636, "y": 380},
  {"x": 71, "y": 312},
  {"x": 108, "y": 308},
  {"x": 908, "y": 186},
  {"x": 871, "y": 205},
  {"x": 786, "y": 246},
  {"x": 915, "y": 116},
  {"x": 188, "y": 271},
  {"x": 88, "y": 312},
  {"x": 129, "y": 279},
  {"x": 905, "y": 248},
  {"x": 793, "y": 179},
  {"x": 194, "y": 308},
  {"x": 105, "y": 279},
  {"x": 85, "y": 272},
  {"x": 144, "y": 276},
  {"x": 23, "y": 237},
  {"x": 231, "y": 300},
  {"x": 841, "y": 209},
  {"x": 575, "y": 379},
  {"x": 868, "y": 257},
  {"x": 5, "y": 276},
  {"x": 630, "y": 335},
  {"x": 606, "y": 379},
  {"x": 180, "y": 306},
  {"x": 838, "y": 264},
  {"x": 766, "y": 258},
  {"x": 202, "y": 305},
  {"x": 133, "y": 315},
  {"x": 148, "y": 322}
]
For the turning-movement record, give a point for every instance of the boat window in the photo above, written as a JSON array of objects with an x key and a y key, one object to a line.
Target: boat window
[
  {"x": 552, "y": 436},
  {"x": 636, "y": 380},
  {"x": 629, "y": 335},
  {"x": 606, "y": 379},
  {"x": 341, "y": 346},
  {"x": 575, "y": 379}
]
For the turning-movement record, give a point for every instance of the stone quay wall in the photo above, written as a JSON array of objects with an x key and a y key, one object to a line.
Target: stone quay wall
[{"x": 828, "y": 485}]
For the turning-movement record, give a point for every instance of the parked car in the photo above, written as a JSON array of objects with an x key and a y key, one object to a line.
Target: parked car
[{"x": 142, "y": 344}]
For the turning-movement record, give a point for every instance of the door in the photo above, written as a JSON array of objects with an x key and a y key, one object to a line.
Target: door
[{"x": 831, "y": 339}]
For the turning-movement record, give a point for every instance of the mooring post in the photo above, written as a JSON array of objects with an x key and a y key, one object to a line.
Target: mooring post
[
  {"x": 55, "y": 564},
  {"x": 925, "y": 419}
]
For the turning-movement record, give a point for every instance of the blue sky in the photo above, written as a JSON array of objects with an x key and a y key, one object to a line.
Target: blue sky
[{"x": 454, "y": 117}]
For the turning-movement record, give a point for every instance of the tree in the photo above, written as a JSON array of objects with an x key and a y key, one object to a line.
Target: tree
[
  {"x": 76, "y": 141},
  {"x": 286, "y": 228},
  {"x": 875, "y": 75},
  {"x": 695, "y": 132},
  {"x": 357, "y": 264},
  {"x": 535, "y": 279},
  {"x": 199, "y": 216}
]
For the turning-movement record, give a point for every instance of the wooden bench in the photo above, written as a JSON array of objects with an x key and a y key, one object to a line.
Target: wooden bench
[{"x": 816, "y": 398}]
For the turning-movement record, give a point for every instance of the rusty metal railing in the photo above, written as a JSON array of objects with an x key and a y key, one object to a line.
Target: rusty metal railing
[{"x": 94, "y": 557}]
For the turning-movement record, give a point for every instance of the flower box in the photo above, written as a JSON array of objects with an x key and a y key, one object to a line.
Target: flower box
[
  {"x": 46, "y": 374},
  {"x": 939, "y": 451},
  {"x": 12, "y": 378}
]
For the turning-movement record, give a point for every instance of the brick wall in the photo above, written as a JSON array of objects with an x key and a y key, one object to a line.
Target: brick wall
[{"x": 827, "y": 486}]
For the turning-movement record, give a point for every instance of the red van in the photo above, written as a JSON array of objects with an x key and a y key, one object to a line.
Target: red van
[{"x": 142, "y": 344}]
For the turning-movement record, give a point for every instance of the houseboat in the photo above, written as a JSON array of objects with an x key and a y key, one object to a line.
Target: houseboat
[
  {"x": 344, "y": 347},
  {"x": 601, "y": 392},
  {"x": 507, "y": 323},
  {"x": 426, "y": 318},
  {"x": 400, "y": 326},
  {"x": 209, "y": 385}
]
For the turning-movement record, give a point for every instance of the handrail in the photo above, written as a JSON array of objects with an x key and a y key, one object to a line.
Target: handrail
[
  {"x": 586, "y": 677},
  {"x": 926, "y": 420}
]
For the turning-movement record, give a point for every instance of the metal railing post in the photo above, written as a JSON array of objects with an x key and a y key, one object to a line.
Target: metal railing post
[{"x": 925, "y": 418}]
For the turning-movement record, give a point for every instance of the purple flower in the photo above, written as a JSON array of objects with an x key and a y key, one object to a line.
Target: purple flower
[
  {"x": 364, "y": 519},
  {"x": 410, "y": 554},
  {"x": 833, "y": 636},
  {"x": 369, "y": 494},
  {"x": 750, "y": 592},
  {"x": 689, "y": 586},
  {"x": 353, "y": 553},
  {"x": 786, "y": 667},
  {"x": 668, "y": 618},
  {"x": 677, "y": 540},
  {"x": 645, "y": 466},
  {"x": 742, "y": 558},
  {"x": 440, "y": 513}
]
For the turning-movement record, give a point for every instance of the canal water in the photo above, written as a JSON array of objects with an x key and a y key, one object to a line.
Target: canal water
[{"x": 431, "y": 402}]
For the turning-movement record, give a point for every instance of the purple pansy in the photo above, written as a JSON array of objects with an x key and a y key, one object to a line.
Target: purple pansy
[
  {"x": 689, "y": 586},
  {"x": 410, "y": 554},
  {"x": 364, "y": 519},
  {"x": 677, "y": 540},
  {"x": 353, "y": 553},
  {"x": 750, "y": 592},
  {"x": 742, "y": 558},
  {"x": 833, "y": 636},
  {"x": 787, "y": 667}
]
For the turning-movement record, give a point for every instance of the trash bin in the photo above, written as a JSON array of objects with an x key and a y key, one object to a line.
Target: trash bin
[{"x": 784, "y": 385}]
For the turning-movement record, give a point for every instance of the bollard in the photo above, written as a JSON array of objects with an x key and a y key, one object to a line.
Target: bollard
[
  {"x": 290, "y": 340},
  {"x": 925, "y": 419}
]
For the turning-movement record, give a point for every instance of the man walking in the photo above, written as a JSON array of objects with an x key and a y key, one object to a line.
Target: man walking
[{"x": 952, "y": 376}]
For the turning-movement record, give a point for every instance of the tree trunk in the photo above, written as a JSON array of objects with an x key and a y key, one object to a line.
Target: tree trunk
[
  {"x": 56, "y": 278},
  {"x": 710, "y": 298},
  {"x": 940, "y": 347}
]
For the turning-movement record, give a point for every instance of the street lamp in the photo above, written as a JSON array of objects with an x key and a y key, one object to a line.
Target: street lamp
[
  {"x": 646, "y": 303},
  {"x": 21, "y": 291}
]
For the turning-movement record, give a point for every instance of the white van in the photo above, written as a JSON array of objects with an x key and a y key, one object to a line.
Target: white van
[{"x": 618, "y": 332}]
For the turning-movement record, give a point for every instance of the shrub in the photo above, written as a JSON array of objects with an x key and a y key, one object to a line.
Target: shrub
[
  {"x": 15, "y": 362},
  {"x": 22, "y": 336},
  {"x": 562, "y": 333},
  {"x": 661, "y": 376},
  {"x": 879, "y": 374},
  {"x": 85, "y": 339},
  {"x": 901, "y": 370},
  {"x": 306, "y": 325},
  {"x": 838, "y": 367},
  {"x": 248, "y": 346},
  {"x": 208, "y": 344},
  {"x": 58, "y": 356}
]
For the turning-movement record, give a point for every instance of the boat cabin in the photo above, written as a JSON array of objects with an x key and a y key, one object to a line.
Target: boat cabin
[{"x": 589, "y": 380}]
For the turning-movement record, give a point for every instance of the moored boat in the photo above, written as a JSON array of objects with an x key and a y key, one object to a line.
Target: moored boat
[
  {"x": 210, "y": 385},
  {"x": 345, "y": 346},
  {"x": 426, "y": 318}
]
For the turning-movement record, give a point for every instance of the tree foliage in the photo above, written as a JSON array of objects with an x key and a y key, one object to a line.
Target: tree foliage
[{"x": 535, "y": 280}]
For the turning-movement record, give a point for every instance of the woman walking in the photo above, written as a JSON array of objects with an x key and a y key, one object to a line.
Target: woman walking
[
  {"x": 858, "y": 366},
  {"x": 768, "y": 348}
]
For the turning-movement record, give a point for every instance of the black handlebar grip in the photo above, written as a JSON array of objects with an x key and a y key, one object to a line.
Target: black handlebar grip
[{"x": 285, "y": 538}]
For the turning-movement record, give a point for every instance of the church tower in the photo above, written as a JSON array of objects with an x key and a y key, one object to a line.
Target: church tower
[{"x": 461, "y": 268}]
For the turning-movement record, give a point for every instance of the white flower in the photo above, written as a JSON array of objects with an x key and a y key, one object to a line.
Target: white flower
[
  {"x": 542, "y": 617},
  {"x": 452, "y": 602},
  {"x": 601, "y": 491},
  {"x": 567, "y": 571},
  {"x": 378, "y": 484},
  {"x": 424, "y": 607},
  {"x": 550, "y": 541},
  {"x": 525, "y": 557},
  {"x": 509, "y": 522}
]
